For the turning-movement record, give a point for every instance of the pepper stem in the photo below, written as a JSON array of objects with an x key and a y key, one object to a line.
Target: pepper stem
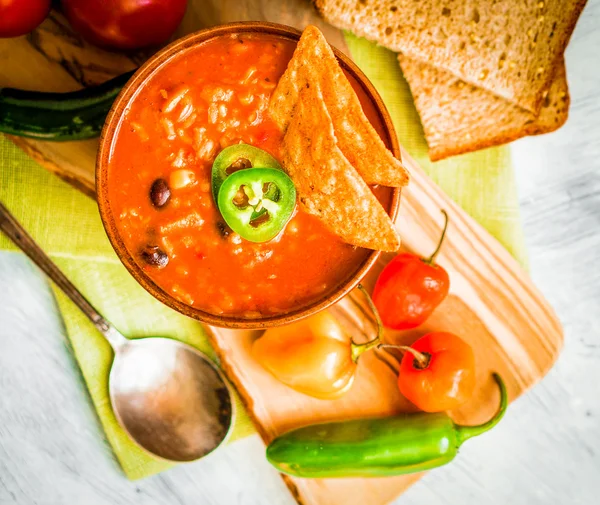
[
  {"x": 422, "y": 359},
  {"x": 356, "y": 350},
  {"x": 431, "y": 258},
  {"x": 465, "y": 432}
]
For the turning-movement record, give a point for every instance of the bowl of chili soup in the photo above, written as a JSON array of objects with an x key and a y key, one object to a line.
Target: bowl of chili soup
[{"x": 203, "y": 93}]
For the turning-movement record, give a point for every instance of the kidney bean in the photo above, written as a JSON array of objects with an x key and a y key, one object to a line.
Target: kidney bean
[
  {"x": 160, "y": 193},
  {"x": 154, "y": 256}
]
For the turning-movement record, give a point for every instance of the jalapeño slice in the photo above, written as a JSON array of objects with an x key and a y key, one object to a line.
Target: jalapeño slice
[
  {"x": 237, "y": 157},
  {"x": 257, "y": 203}
]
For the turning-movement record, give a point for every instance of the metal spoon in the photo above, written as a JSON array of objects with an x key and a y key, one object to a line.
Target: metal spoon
[{"x": 168, "y": 396}]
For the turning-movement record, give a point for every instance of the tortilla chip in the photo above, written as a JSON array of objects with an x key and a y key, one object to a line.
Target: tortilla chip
[
  {"x": 314, "y": 63},
  {"x": 328, "y": 185}
]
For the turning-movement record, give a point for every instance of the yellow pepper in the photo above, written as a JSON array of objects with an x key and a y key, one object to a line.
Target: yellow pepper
[{"x": 314, "y": 356}]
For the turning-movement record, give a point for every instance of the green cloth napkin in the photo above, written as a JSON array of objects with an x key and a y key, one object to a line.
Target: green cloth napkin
[{"x": 67, "y": 225}]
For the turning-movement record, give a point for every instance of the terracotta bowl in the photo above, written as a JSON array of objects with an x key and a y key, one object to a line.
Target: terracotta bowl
[{"x": 113, "y": 120}]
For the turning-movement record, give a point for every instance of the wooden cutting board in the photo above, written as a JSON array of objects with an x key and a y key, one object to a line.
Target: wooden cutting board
[{"x": 492, "y": 303}]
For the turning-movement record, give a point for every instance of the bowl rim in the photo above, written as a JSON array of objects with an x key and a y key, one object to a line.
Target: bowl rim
[{"x": 114, "y": 118}]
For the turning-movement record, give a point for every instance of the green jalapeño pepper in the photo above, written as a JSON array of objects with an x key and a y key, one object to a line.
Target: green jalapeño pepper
[
  {"x": 238, "y": 157},
  {"x": 58, "y": 116},
  {"x": 375, "y": 447},
  {"x": 257, "y": 203}
]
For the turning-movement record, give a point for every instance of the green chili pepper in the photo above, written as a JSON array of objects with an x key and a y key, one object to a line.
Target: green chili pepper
[
  {"x": 58, "y": 116},
  {"x": 257, "y": 203},
  {"x": 238, "y": 157},
  {"x": 375, "y": 447}
]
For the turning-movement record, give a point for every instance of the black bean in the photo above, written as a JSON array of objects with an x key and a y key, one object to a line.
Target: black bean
[
  {"x": 160, "y": 193},
  {"x": 154, "y": 256},
  {"x": 224, "y": 230}
]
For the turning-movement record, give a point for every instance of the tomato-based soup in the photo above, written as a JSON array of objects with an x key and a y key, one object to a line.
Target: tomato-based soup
[{"x": 214, "y": 96}]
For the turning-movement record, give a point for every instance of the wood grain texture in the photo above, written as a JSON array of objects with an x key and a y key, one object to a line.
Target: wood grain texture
[{"x": 492, "y": 299}]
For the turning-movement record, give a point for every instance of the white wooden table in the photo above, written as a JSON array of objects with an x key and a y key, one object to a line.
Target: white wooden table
[{"x": 546, "y": 451}]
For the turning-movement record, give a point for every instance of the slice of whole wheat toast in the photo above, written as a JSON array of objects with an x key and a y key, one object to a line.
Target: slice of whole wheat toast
[
  {"x": 459, "y": 118},
  {"x": 509, "y": 47},
  {"x": 314, "y": 63}
]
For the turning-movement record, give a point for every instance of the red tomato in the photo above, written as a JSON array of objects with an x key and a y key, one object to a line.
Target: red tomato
[
  {"x": 18, "y": 17},
  {"x": 125, "y": 24}
]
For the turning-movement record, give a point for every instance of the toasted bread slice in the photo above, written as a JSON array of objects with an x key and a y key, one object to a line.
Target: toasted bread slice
[
  {"x": 328, "y": 185},
  {"x": 459, "y": 118},
  {"x": 314, "y": 64},
  {"x": 506, "y": 47}
]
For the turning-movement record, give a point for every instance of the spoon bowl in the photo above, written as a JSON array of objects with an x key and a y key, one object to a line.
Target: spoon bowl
[{"x": 170, "y": 398}]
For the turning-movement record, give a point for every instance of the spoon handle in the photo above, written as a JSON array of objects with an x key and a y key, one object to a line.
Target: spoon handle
[{"x": 14, "y": 231}]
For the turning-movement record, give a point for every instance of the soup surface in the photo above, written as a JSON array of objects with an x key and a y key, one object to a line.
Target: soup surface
[{"x": 214, "y": 96}]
